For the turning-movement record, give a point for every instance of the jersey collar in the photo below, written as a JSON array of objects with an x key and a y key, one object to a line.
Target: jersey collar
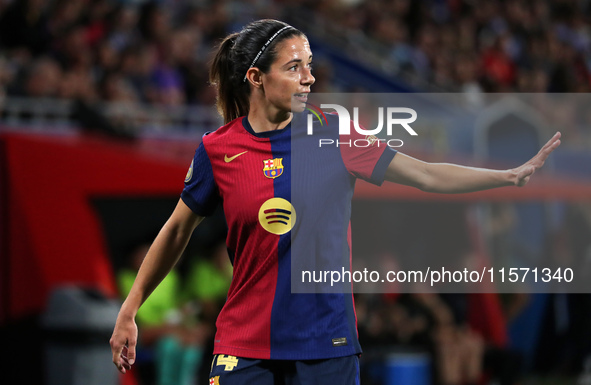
[{"x": 264, "y": 134}]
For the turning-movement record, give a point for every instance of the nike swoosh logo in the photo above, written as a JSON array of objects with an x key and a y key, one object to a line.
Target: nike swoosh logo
[{"x": 228, "y": 160}]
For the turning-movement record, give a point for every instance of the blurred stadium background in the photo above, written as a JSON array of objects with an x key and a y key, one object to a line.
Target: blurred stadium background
[{"x": 103, "y": 102}]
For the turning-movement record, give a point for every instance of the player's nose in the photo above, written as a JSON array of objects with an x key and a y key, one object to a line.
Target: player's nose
[{"x": 308, "y": 79}]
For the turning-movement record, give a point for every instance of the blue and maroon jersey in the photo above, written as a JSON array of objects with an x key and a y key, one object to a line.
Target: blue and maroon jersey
[{"x": 285, "y": 200}]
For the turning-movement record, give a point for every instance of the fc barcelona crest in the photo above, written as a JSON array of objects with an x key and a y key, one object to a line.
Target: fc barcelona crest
[{"x": 273, "y": 167}]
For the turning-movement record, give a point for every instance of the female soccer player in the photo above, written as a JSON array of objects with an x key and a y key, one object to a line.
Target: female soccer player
[{"x": 265, "y": 333}]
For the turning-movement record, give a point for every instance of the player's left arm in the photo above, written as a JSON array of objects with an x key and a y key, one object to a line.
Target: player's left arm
[{"x": 451, "y": 178}]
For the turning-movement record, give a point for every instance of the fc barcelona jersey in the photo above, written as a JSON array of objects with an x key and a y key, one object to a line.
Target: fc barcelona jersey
[{"x": 285, "y": 200}]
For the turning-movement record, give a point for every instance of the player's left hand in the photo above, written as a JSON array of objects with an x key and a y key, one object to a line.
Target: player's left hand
[
  {"x": 125, "y": 359},
  {"x": 123, "y": 343},
  {"x": 524, "y": 172}
]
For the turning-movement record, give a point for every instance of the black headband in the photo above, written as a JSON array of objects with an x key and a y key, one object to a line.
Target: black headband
[{"x": 265, "y": 47}]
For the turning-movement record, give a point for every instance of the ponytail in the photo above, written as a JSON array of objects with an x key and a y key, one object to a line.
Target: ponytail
[
  {"x": 232, "y": 95},
  {"x": 254, "y": 46}
]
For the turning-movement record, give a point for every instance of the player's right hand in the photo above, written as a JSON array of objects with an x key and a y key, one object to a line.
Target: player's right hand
[
  {"x": 524, "y": 172},
  {"x": 123, "y": 343}
]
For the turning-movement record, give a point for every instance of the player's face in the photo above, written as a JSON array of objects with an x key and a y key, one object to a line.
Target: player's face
[{"x": 290, "y": 77}]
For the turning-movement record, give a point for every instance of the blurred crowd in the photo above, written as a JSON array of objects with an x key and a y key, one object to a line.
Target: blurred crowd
[
  {"x": 157, "y": 52},
  {"x": 491, "y": 46},
  {"x": 108, "y": 50}
]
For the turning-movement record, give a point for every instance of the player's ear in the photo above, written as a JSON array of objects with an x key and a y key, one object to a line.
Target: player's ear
[{"x": 255, "y": 77}]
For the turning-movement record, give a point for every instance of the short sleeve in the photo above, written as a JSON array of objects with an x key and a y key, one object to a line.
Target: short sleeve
[
  {"x": 366, "y": 157},
  {"x": 200, "y": 193}
]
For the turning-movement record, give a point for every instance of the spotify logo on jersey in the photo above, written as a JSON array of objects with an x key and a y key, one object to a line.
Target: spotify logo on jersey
[{"x": 277, "y": 216}]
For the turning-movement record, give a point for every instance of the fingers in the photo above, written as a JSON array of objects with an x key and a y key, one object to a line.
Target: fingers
[
  {"x": 123, "y": 355},
  {"x": 131, "y": 352},
  {"x": 525, "y": 171},
  {"x": 123, "y": 343},
  {"x": 524, "y": 181},
  {"x": 545, "y": 151},
  {"x": 553, "y": 139},
  {"x": 117, "y": 349},
  {"x": 551, "y": 144},
  {"x": 122, "y": 360},
  {"x": 524, "y": 175}
]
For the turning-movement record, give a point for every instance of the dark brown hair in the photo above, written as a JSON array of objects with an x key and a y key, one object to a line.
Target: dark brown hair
[{"x": 233, "y": 59}]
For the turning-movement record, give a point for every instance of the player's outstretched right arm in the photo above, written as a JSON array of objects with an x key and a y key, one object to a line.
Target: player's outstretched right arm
[
  {"x": 453, "y": 179},
  {"x": 160, "y": 259}
]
